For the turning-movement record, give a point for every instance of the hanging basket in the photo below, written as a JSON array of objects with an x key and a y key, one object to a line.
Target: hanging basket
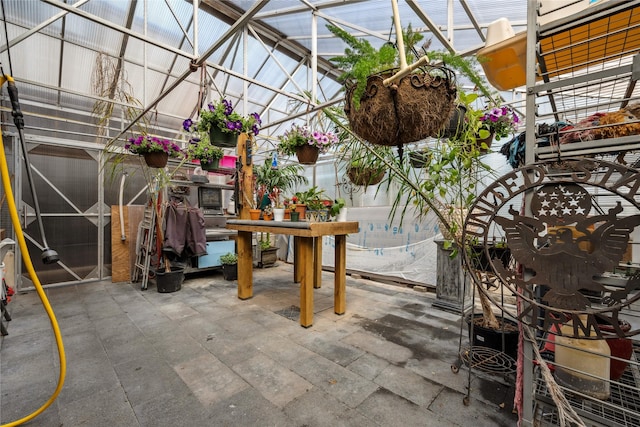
[
  {"x": 488, "y": 140},
  {"x": 415, "y": 108},
  {"x": 222, "y": 139},
  {"x": 307, "y": 154},
  {"x": 210, "y": 166},
  {"x": 156, "y": 159},
  {"x": 365, "y": 176}
]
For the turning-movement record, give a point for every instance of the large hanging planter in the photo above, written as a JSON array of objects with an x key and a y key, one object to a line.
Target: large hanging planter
[
  {"x": 222, "y": 139},
  {"x": 307, "y": 154},
  {"x": 365, "y": 176},
  {"x": 156, "y": 159},
  {"x": 415, "y": 108}
]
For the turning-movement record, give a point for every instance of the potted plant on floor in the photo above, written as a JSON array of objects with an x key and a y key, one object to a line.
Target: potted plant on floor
[
  {"x": 268, "y": 252},
  {"x": 229, "y": 265}
]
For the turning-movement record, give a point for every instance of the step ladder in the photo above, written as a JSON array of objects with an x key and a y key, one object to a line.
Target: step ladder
[{"x": 145, "y": 246}]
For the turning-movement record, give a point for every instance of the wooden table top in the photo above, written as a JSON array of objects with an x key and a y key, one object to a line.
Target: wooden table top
[{"x": 296, "y": 228}]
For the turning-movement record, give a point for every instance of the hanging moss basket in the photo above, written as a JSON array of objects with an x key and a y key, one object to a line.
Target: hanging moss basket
[
  {"x": 415, "y": 108},
  {"x": 365, "y": 176}
]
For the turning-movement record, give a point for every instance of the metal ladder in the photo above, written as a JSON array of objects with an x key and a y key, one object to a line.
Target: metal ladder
[{"x": 145, "y": 242}]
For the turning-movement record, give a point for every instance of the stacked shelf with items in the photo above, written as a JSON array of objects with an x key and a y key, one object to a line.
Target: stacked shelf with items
[
  {"x": 587, "y": 68},
  {"x": 586, "y": 106}
]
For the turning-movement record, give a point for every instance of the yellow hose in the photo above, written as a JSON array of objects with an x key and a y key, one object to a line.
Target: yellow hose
[{"x": 15, "y": 220}]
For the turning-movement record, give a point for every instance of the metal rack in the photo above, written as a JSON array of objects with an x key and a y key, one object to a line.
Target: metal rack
[{"x": 588, "y": 64}]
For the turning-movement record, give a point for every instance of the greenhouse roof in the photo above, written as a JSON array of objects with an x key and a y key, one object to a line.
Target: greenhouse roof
[{"x": 174, "y": 58}]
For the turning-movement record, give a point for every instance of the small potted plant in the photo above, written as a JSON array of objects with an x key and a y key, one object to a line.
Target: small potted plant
[
  {"x": 294, "y": 215},
  {"x": 229, "y": 265},
  {"x": 305, "y": 143},
  {"x": 156, "y": 151},
  {"x": 268, "y": 253},
  {"x": 267, "y": 213},
  {"x": 338, "y": 210},
  {"x": 202, "y": 150}
]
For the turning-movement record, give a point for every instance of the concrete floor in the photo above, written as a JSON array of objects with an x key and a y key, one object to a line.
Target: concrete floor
[{"x": 202, "y": 357}]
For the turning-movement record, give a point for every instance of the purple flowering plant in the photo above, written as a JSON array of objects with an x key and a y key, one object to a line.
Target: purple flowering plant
[
  {"x": 224, "y": 117},
  {"x": 298, "y": 136},
  {"x": 143, "y": 144},
  {"x": 501, "y": 121}
]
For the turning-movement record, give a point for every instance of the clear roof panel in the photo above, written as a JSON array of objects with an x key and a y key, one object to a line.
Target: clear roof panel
[{"x": 53, "y": 67}]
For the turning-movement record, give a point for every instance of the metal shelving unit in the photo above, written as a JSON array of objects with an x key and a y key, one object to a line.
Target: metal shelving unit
[{"x": 588, "y": 64}]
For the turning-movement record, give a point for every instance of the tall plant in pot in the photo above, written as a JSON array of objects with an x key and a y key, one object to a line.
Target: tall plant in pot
[{"x": 272, "y": 181}]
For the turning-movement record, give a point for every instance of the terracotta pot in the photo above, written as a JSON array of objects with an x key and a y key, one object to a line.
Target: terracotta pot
[
  {"x": 267, "y": 217},
  {"x": 301, "y": 209},
  {"x": 157, "y": 159},
  {"x": 254, "y": 214},
  {"x": 307, "y": 154}
]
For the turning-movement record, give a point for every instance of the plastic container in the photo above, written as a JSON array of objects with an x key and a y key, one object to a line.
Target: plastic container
[{"x": 582, "y": 364}]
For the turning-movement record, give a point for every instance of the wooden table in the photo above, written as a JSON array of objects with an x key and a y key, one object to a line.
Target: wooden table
[{"x": 307, "y": 267}]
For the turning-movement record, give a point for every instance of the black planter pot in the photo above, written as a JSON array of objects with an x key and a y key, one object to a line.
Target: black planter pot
[
  {"x": 230, "y": 271},
  {"x": 493, "y": 338},
  {"x": 456, "y": 122},
  {"x": 169, "y": 281},
  {"x": 480, "y": 260}
]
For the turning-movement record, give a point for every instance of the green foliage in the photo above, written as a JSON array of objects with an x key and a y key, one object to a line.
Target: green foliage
[
  {"x": 229, "y": 258},
  {"x": 361, "y": 60},
  {"x": 338, "y": 204},
  {"x": 274, "y": 182},
  {"x": 203, "y": 150},
  {"x": 311, "y": 197}
]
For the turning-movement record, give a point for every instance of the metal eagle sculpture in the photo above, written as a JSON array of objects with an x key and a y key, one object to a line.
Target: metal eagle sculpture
[{"x": 566, "y": 249}]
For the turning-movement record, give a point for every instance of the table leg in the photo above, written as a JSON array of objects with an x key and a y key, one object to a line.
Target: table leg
[
  {"x": 340, "y": 275},
  {"x": 245, "y": 265},
  {"x": 317, "y": 262},
  {"x": 305, "y": 250},
  {"x": 297, "y": 271}
]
